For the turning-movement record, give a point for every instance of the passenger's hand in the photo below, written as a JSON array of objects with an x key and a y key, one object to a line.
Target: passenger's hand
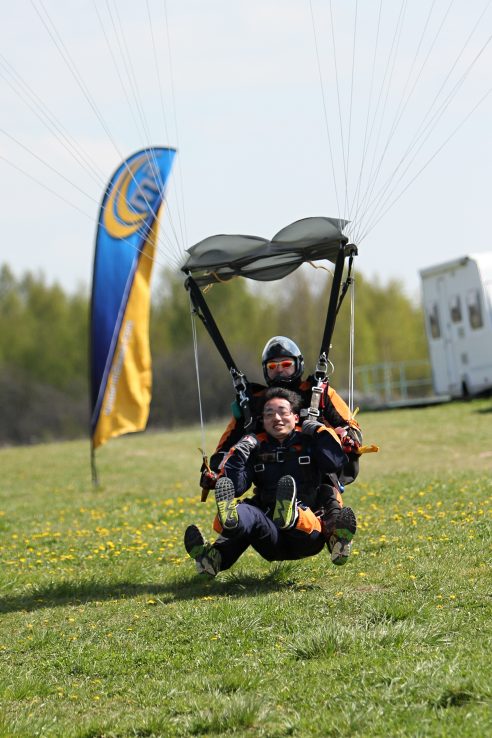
[{"x": 311, "y": 426}]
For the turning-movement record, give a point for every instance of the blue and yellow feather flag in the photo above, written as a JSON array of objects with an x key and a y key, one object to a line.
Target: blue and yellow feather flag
[{"x": 120, "y": 360}]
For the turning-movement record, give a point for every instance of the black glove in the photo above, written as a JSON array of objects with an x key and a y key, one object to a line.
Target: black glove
[
  {"x": 247, "y": 445},
  {"x": 310, "y": 426},
  {"x": 350, "y": 438},
  {"x": 208, "y": 479}
]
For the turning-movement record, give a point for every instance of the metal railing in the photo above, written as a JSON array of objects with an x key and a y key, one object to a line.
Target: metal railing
[{"x": 396, "y": 382}]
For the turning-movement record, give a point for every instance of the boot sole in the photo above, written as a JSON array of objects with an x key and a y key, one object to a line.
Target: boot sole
[
  {"x": 346, "y": 525},
  {"x": 285, "y": 507},
  {"x": 226, "y": 505},
  {"x": 194, "y": 541},
  {"x": 345, "y": 529}
]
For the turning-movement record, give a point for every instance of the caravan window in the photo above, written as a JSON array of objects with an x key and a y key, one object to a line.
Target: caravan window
[
  {"x": 434, "y": 323},
  {"x": 455, "y": 309},
  {"x": 474, "y": 309}
]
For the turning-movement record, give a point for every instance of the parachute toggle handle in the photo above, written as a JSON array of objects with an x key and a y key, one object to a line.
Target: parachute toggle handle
[
  {"x": 372, "y": 449},
  {"x": 205, "y": 491}
]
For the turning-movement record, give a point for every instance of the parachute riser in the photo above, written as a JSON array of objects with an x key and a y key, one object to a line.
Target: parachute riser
[
  {"x": 239, "y": 380},
  {"x": 336, "y": 297},
  {"x": 337, "y": 294}
]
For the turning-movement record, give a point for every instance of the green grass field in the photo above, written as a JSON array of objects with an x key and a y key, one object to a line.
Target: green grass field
[{"x": 107, "y": 631}]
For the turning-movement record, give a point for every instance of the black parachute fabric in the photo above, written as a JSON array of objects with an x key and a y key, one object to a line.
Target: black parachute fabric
[{"x": 222, "y": 257}]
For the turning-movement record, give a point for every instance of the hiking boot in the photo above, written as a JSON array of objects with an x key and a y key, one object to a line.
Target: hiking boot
[
  {"x": 226, "y": 504},
  {"x": 207, "y": 558},
  {"x": 285, "y": 513},
  {"x": 340, "y": 538}
]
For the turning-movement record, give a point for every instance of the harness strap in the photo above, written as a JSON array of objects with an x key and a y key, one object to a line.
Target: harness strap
[
  {"x": 279, "y": 455},
  {"x": 301, "y": 450}
]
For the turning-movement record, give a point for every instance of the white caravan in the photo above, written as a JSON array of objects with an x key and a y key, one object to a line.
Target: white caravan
[{"x": 457, "y": 301}]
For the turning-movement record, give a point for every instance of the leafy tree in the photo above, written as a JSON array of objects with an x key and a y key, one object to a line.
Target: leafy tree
[{"x": 44, "y": 343}]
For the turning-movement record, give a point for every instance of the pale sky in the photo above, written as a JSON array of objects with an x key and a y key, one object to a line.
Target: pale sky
[{"x": 280, "y": 109}]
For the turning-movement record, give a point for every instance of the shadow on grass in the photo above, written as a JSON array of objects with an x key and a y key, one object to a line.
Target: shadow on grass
[
  {"x": 82, "y": 592},
  {"x": 484, "y": 410}
]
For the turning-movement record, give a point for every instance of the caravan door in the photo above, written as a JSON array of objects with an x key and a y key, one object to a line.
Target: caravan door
[{"x": 449, "y": 339}]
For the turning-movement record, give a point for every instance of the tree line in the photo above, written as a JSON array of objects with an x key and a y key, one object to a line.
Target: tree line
[{"x": 44, "y": 345}]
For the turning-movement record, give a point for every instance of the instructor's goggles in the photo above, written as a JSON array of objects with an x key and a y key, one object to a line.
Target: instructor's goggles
[{"x": 284, "y": 364}]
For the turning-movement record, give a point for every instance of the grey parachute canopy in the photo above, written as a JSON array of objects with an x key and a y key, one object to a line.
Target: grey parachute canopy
[{"x": 222, "y": 257}]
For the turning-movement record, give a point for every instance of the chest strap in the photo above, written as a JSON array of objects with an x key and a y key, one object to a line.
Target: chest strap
[
  {"x": 280, "y": 455},
  {"x": 278, "y": 458}
]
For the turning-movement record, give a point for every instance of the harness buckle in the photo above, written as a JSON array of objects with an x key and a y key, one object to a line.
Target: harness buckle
[
  {"x": 259, "y": 467},
  {"x": 304, "y": 460},
  {"x": 280, "y": 456}
]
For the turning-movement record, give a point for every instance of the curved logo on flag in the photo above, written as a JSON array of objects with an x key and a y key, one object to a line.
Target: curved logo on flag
[{"x": 131, "y": 200}]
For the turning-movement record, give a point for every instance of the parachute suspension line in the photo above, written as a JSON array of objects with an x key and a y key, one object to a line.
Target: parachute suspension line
[
  {"x": 430, "y": 126},
  {"x": 347, "y": 207},
  {"x": 402, "y": 105},
  {"x": 378, "y": 113},
  {"x": 182, "y": 223},
  {"x": 325, "y": 112},
  {"x": 129, "y": 69},
  {"x": 142, "y": 127},
  {"x": 65, "y": 54},
  {"x": 157, "y": 71},
  {"x": 342, "y": 139},
  {"x": 351, "y": 347},
  {"x": 383, "y": 96},
  {"x": 377, "y": 204},
  {"x": 366, "y": 127},
  {"x": 426, "y": 164},
  {"x": 49, "y": 120},
  {"x": 197, "y": 371},
  {"x": 130, "y": 72},
  {"x": 45, "y": 187},
  {"x": 115, "y": 63},
  {"x": 89, "y": 216},
  {"x": 47, "y": 165},
  {"x": 81, "y": 158}
]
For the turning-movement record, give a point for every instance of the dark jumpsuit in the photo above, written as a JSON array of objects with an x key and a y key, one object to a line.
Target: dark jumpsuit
[
  {"x": 334, "y": 412},
  {"x": 307, "y": 459}
]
